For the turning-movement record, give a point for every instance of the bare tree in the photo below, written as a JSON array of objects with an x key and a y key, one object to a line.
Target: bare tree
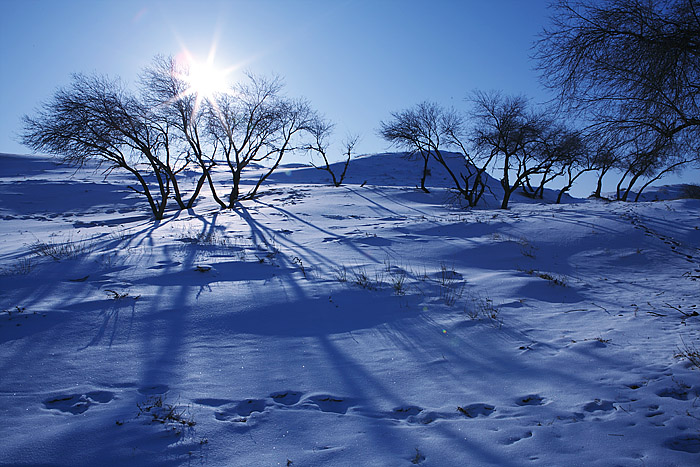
[
  {"x": 631, "y": 67},
  {"x": 427, "y": 129},
  {"x": 168, "y": 128},
  {"x": 415, "y": 130},
  {"x": 255, "y": 125},
  {"x": 175, "y": 106},
  {"x": 294, "y": 117},
  {"x": 558, "y": 152},
  {"x": 605, "y": 153},
  {"x": 97, "y": 118},
  {"x": 320, "y": 131},
  {"x": 649, "y": 160},
  {"x": 576, "y": 158},
  {"x": 560, "y": 149},
  {"x": 507, "y": 130}
]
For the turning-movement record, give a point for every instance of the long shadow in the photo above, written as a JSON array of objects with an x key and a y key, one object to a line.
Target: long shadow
[
  {"x": 378, "y": 207},
  {"x": 263, "y": 236},
  {"x": 395, "y": 198},
  {"x": 365, "y": 386},
  {"x": 163, "y": 348}
]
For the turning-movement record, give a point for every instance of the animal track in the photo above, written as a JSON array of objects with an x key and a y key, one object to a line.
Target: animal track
[
  {"x": 286, "y": 397},
  {"x": 165, "y": 264},
  {"x": 514, "y": 439},
  {"x": 242, "y": 411},
  {"x": 685, "y": 443},
  {"x": 675, "y": 246},
  {"x": 599, "y": 406},
  {"x": 531, "y": 399},
  {"x": 78, "y": 403},
  {"x": 654, "y": 411},
  {"x": 476, "y": 410},
  {"x": 680, "y": 392},
  {"x": 330, "y": 403},
  {"x": 402, "y": 413}
]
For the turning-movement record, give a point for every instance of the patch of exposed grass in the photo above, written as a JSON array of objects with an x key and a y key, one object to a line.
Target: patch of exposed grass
[
  {"x": 483, "y": 308},
  {"x": 340, "y": 273},
  {"x": 21, "y": 267},
  {"x": 59, "y": 250},
  {"x": 689, "y": 352},
  {"x": 362, "y": 278},
  {"x": 450, "y": 283},
  {"x": 175, "y": 417},
  {"x": 552, "y": 279}
]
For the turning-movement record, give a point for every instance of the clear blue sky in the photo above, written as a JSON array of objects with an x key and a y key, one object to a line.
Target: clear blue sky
[{"x": 355, "y": 60}]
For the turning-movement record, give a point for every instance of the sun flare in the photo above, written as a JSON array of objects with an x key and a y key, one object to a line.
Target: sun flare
[{"x": 205, "y": 79}]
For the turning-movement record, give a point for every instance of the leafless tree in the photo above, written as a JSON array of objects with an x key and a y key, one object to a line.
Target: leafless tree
[
  {"x": 97, "y": 118},
  {"x": 559, "y": 152},
  {"x": 415, "y": 130},
  {"x": 255, "y": 125},
  {"x": 560, "y": 149},
  {"x": 585, "y": 154},
  {"x": 320, "y": 131},
  {"x": 173, "y": 105},
  {"x": 649, "y": 160},
  {"x": 605, "y": 153},
  {"x": 167, "y": 128},
  {"x": 630, "y": 67},
  {"x": 428, "y": 129},
  {"x": 507, "y": 130}
]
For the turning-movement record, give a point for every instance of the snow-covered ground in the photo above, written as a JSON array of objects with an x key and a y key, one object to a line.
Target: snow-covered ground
[{"x": 370, "y": 324}]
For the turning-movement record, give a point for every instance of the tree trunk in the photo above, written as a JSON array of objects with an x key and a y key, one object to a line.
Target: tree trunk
[
  {"x": 507, "y": 190},
  {"x": 426, "y": 158},
  {"x": 562, "y": 191},
  {"x": 630, "y": 186},
  {"x": 619, "y": 185},
  {"x": 599, "y": 187}
]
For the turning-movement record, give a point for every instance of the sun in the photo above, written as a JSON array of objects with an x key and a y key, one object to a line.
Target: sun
[{"x": 205, "y": 80}]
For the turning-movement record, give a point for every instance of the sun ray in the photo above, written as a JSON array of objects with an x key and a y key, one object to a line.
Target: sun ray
[{"x": 203, "y": 78}]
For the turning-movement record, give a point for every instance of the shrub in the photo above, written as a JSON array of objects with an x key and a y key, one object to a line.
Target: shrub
[{"x": 691, "y": 191}]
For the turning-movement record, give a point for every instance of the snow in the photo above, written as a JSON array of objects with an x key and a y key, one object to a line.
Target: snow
[{"x": 369, "y": 324}]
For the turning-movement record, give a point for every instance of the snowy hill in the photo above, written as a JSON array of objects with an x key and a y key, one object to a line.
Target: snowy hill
[
  {"x": 358, "y": 325},
  {"x": 385, "y": 169}
]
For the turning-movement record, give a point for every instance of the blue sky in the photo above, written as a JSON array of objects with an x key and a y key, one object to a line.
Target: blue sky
[{"x": 356, "y": 61}]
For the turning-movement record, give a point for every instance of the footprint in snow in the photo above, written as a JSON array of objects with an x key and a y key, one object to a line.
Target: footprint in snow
[
  {"x": 165, "y": 264},
  {"x": 329, "y": 403},
  {"x": 244, "y": 412},
  {"x": 401, "y": 413},
  {"x": 212, "y": 402},
  {"x": 286, "y": 397},
  {"x": 599, "y": 406},
  {"x": 514, "y": 439},
  {"x": 654, "y": 411},
  {"x": 241, "y": 411},
  {"x": 680, "y": 393},
  {"x": 413, "y": 414},
  {"x": 685, "y": 443},
  {"x": 476, "y": 410},
  {"x": 77, "y": 403},
  {"x": 531, "y": 399}
]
